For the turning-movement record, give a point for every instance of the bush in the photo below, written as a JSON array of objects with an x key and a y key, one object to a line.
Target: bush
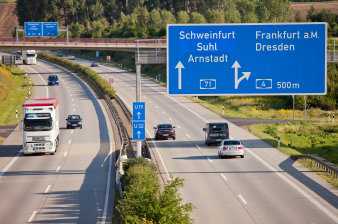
[
  {"x": 143, "y": 202},
  {"x": 85, "y": 72}
]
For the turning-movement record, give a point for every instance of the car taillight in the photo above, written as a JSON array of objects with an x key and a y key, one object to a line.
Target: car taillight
[
  {"x": 225, "y": 148},
  {"x": 158, "y": 131},
  {"x": 172, "y": 130},
  {"x": 240, "y": 147}
]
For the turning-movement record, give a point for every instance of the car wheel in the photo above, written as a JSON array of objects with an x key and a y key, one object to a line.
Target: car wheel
[
  {"x": 242, "y": 156},
  {"x": 156, "y": 138},
  {"x": 174, "y": 138}
]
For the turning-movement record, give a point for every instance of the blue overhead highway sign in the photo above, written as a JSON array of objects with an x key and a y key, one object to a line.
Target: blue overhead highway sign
[
  {"x": 33, "y": 29},
  {"x": 247, "y": 59},
  {"x": 138, "y": 111},
  {"x": 50, "y": 29},
  {"x": 139, "y": 130}
]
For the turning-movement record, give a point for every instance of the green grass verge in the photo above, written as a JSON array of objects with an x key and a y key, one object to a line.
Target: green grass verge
[
  {"x": 302, "y": 138},
  {"x": 15, "y": 98},
  {"x": 7, "y": 1}
]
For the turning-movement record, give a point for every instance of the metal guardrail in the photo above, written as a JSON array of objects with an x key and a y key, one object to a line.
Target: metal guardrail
[{"x": 320, "y": 163}]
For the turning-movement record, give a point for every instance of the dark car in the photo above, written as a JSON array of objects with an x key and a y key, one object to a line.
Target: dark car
[
  {"x": 164, "y": 131},
  {"x": 59, "y": 54},
  {"x": 74, "y": 121},
  {"x": 215, "y": 132},
  {"x": 94, "y": 64},
  {"x": 53, "y": 80}
]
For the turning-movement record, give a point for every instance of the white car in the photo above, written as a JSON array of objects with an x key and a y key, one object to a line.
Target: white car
[{"x": 230, "y": 147}]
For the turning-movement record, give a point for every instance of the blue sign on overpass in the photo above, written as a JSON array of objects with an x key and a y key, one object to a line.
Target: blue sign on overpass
[
  {"x": 33, "y": 29},
  {"x": 40, "y": 29},
  {"x": 247, "y": 59},
  {"x": 50, "y": 29}
]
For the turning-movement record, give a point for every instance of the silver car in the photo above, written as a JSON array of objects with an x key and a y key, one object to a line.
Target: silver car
[{"x": 230, "y": 147}]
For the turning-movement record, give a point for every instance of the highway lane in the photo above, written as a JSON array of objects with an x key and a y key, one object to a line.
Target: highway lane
[
  {"x": 70, "y": 186},
  {"x": 264, "y": 187}
]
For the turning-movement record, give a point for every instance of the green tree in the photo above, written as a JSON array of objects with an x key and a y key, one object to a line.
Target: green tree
[
  {"x": 142, "y": 20},
  {"x": 196, "y": 17},
  {"x": 167, "y": 18},
  {"x": 98, "y": 27},
  {"x": 183, "y": 17},
  {"x": 231, "y": 14},
  {"x": 274, "y": 11},
  {"x": 155, "y": 23},
  {"x": 215, "y": 16},
  {"x": 247, "y": 9},
  {"x": 76, "y": 30}
]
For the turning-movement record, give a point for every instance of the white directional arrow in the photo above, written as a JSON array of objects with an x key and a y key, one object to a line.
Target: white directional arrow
[
  {"x": 138, "y": 134},
  {"x": 245, "y": 74},
  {"x": 138, "y": 115},
  {"x": 179, "y": 66}
]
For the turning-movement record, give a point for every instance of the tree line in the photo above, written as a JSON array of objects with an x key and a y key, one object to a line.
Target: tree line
[{"x": 147, "y": 18}]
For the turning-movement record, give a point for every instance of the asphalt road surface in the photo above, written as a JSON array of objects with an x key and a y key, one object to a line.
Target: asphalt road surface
[
  {"x": 264, "y": 187},
  {"x": 71, "y": 185}
]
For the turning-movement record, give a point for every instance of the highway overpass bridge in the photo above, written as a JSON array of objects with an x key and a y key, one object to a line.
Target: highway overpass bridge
[{"x": 158, "y": 46}]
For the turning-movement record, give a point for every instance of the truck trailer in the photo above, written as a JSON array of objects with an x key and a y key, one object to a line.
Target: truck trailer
[
  {"x": 41, "y": 126},
  {"x": 29, "y": 57}
]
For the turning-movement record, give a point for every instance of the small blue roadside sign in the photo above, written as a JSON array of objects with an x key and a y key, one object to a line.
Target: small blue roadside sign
[
  {"x": 97, "y": 54},
  {"x": 50, "y": 29},
  {"x": 247, "y": 59},
  {"x": 138, "y": 111},
  {"x": 139, "y": 130},
  {"x": 33, "y": 29}
]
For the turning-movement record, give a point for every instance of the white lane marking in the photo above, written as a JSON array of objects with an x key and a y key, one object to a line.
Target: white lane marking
[
  {"x": 224, "y": 177},
  {"x": 70, "y": 141},
  {"x": 74, "y": 109},
  {"x": 32, "y": 216},
  {"x": 72, "y": 132},
  {"x": 287, "y": 180},
  {"x": 163, "y": 112},
  {"x": 188, "y": 135},
  {"x": 240, "y": 196},
  {"x": 73, "y": 104},
  {"x": 178, "y": 126},
  {"x": 210, "y": 161},
  {"x": 159, "y": 155},
  {"x": 156, "y": 106},
  {"x": 71, "y": 94},
  {"x": 73, "y": 100},
  {"x": 10, "y": 164},
  {"x": 44, "y": 82},
  {"x": 58, "y": 169},
  {"x": 170, "y": 119},
  {"x": 47, "y": 189},
  {"x": 65, "y": 155},
  {"x": 150, "y": 101},
  {"x": 198, "y": 146}
]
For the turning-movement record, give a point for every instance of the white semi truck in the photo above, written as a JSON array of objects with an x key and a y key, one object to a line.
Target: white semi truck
[
  {"x": 40, "y": 126},
  {"x": 29, "y": 57}
]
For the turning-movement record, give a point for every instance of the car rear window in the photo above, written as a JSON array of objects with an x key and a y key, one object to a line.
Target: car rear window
[
  {"x": 231, "y": 143},
  {"x": 165, "y": 126},
  {"x": 53, "y": 77}
]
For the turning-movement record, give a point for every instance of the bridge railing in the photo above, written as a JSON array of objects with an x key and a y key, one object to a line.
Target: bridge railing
[{"x": 332, "y": 49}]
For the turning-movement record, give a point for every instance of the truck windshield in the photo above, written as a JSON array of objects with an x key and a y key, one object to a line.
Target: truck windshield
[
  {"x": 30, "y": 55},
  {"x": 218, "y": 128},
  {"x": 38, "y": 125}
]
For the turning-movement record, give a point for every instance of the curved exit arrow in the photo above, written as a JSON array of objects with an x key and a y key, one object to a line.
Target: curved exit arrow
[{"x": 246, "y": 75}]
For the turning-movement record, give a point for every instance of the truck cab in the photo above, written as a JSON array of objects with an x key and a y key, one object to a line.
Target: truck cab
[
  {"x": 29, "y": 57},
  {"x": 40, "y": 126}
]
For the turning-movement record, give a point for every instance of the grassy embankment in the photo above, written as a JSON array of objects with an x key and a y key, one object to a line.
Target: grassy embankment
[
  {"x": 303, "y": 138},
  {"x": 12, "y": 95}
]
